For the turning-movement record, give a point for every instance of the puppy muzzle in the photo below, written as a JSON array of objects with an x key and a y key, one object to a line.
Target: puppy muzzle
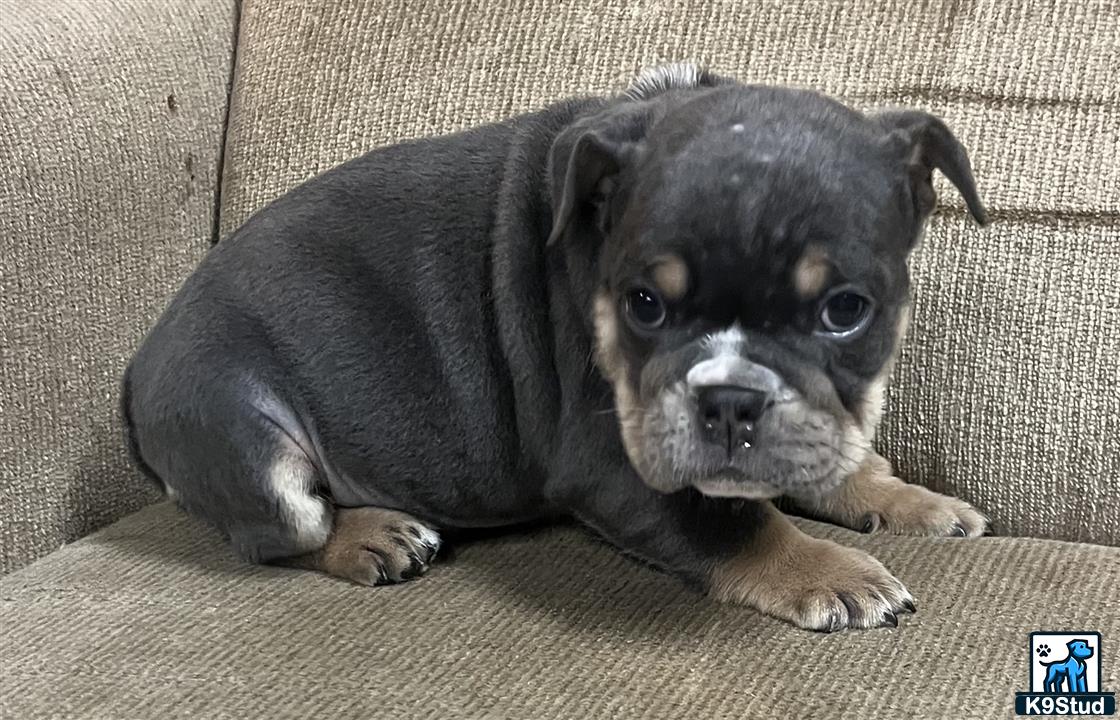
[{"x": 733, "y": 427}]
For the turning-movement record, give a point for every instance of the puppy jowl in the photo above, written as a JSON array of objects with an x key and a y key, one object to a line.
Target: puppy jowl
[{"x": 655, "y": 312}]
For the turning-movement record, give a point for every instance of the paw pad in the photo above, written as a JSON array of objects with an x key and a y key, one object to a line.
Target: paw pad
[{"x": 1043, "y": 650}]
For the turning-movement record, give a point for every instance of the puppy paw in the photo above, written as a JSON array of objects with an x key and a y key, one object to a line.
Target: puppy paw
[
  {"x": 874, "y": 500},
  {"x": 915, "y": 510},
  {"x": 373, "y": 546},
  {"x": 812, "y": 583}
]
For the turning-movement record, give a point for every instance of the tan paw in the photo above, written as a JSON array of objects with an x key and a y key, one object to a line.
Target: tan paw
[
  {"x": 374, "y": 546},
  {"x": 812, "y": 583},
  {"x": 874, "y": 500},
  {"x": 915, "y": 510}
]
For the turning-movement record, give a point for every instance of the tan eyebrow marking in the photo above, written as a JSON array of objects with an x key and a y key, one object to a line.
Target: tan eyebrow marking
[
  {"x": 810, "y": 274},
  {"x": 670, "y": 274}
]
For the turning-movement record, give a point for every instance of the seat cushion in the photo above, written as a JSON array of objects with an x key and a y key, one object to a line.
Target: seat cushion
[
  {"x": 1006, "y": 392},
  {"x": 154, "y": 618}
]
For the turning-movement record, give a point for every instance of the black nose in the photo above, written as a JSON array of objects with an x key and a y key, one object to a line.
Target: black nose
[{"x": 728, "y": 415}]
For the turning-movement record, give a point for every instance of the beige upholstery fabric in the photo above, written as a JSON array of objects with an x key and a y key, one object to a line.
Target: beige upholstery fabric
[
  {"x": 110, "y": 124},
  {"x": 111, "y": 116},
  {"x": 1008, "y": 391},
  {"x": 153, "y": 618}
]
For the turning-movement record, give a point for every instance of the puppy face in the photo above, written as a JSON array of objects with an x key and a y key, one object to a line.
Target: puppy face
[{"x": 750, "y": 251}]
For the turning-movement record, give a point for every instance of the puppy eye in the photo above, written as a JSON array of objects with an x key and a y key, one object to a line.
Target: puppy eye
[
  {"x": 645, "y": 308},
  {"x": 844, "y": 312}
]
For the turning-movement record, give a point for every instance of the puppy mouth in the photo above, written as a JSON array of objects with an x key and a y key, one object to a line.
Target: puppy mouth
[
  {"x": 735, "y": 428},
  {"x": 794, "y": 450},
  {"x": 731, "y": 482}
]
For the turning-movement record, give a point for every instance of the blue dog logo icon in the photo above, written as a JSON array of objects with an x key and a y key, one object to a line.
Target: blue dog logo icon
[{"x": 1067, "y": 675}]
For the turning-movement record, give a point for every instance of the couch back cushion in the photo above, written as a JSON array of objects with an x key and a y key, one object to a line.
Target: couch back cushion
[
  {"x": 111, "y": 120},
  {"x": 1007, "y": 392}
]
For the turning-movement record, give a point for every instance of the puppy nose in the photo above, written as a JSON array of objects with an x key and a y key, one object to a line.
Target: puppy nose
[{"x": 728, "y": 415}]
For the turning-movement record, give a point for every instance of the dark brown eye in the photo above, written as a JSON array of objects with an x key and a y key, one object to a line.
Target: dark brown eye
[
  {"x": 645, "y": 308},
  {"x": 844, "y": 312}
]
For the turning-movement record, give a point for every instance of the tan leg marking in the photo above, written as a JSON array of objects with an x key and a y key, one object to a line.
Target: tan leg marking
[
  {"x": 873, "y": 499},
  {"x": 815, "y": 584},
  {"x": 374, "y": 546}
]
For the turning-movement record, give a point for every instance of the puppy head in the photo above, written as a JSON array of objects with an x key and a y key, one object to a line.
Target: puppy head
[{"x": 742, "y": 252}]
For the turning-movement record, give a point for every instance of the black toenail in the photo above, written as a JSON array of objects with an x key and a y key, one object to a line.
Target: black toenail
[
  {"x": 835, "y": 623},
  {"x": 850, "y": 604},
  {"x": 909, "y": 605},
  {"x": 959, "y": 531},
  {"x": 870, "y": 523},
  {"x": 890, "y": 619}
]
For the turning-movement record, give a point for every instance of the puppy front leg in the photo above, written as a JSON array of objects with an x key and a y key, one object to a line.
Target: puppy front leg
[
  {"x": 748, "y": 553},
  {"x": 815, "y": 584},
  {"x": 873, "y": 499}
]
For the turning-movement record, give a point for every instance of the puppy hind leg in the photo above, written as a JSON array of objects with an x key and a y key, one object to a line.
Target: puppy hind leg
[
  {"x": 244, "y": 461},
  {"x": 225, "y": 459},
  {"x": 373, "y": 546},
  {"x": 296, "y": 519},
  {"x": 366, "y": 545}
]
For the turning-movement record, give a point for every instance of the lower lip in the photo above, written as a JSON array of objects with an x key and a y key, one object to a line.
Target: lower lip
[{"x": 736, "y": 489}]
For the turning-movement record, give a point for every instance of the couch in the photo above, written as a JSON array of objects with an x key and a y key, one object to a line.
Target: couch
[{"x": 136, "y": 133}]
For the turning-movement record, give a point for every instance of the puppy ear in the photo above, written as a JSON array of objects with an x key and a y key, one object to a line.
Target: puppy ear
[
  {"x": 930, "y": 144},
  {"x": 584, "y": 165}
]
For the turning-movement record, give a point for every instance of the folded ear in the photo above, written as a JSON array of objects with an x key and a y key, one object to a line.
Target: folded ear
[
  {"x": 584, "y": 165},
  {"x": 929, "y": 145}
]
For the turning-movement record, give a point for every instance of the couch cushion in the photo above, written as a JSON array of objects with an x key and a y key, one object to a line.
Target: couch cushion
[
  {"x": 1007, "y": 392},
  {"x": 111, "y": 120},
  {"x": 154, "y": 618}
]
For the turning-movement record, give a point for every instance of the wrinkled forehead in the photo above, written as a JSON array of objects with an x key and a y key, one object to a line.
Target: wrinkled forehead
[
  {"x": 781, "y": 195},
  {"x": 790, "y": 150},
  {"x": 760, "y": 120},
  {"x": 763, "y": 244}
]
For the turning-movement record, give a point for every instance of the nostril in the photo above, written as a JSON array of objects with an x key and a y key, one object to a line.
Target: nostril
[
  {"x": 728, "y": 414},
  {"x": 749, "y": 406}
]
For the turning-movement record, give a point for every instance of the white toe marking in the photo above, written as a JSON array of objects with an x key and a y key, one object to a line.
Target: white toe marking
[{"x": 428, "y": 536}]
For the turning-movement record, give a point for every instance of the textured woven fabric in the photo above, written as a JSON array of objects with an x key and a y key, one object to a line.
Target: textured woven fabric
[
  {"x": 153, "y": 618},
  {"x": 1008, "y": 391},
  {"x": 111, "y": 115}
]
